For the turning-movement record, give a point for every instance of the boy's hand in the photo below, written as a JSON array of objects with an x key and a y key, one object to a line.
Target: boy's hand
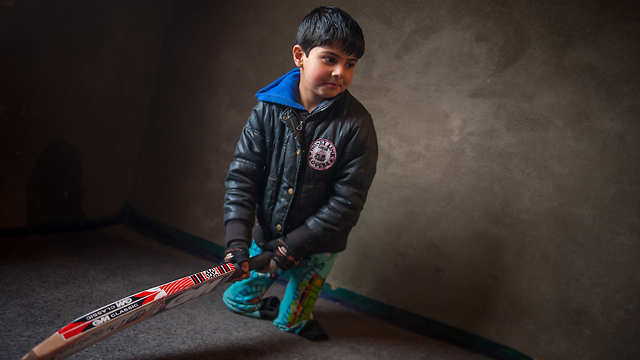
[
  {"x": 246, "y": 274},
  {"x": 284, "y": 257},
  {"x": 238, "y": 253}
]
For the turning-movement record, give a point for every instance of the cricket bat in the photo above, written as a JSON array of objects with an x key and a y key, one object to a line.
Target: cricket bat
[{"x": 134, "y": 309}]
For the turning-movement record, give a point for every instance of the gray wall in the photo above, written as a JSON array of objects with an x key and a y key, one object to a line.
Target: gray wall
[{"x": 506, "y": 202}]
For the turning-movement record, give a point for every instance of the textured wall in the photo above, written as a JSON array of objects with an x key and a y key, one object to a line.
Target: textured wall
[
  {"x": 508, "y": 187},
  {"x": 76, "y": 80}
]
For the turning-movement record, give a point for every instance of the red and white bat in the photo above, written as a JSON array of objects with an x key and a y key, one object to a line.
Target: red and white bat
[{"x": 131, "y": 310}]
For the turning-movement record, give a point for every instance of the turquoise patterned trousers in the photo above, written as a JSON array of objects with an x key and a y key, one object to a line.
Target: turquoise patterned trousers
[{"x": 305, "y": 285}]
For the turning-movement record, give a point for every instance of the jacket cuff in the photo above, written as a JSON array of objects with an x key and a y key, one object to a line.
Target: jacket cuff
[
  {"x": 238, "y": 230},
  {"x": 301, "y": 240}
]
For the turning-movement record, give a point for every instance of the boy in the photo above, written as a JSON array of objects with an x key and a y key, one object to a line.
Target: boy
[{"x": 303, "y": 166}]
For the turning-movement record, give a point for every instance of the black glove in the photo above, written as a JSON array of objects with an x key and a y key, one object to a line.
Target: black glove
[
  {"x": 237, "y": 252},
  {"x": 284, "y": 257}
]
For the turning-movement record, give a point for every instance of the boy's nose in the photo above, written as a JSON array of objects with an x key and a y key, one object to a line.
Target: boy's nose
[{"x": 338, "y": 70}]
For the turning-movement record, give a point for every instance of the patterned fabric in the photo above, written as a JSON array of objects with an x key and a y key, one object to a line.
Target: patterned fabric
[{"x": 305, "y": 284}]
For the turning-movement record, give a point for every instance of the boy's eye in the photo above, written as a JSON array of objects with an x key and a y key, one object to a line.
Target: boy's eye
[
  {"x": 350, "y": 65},
  {"x": 328, "y": 59}
]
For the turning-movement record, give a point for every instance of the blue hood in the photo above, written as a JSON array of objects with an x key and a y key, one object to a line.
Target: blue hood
[{"x": 283, "y": 91}]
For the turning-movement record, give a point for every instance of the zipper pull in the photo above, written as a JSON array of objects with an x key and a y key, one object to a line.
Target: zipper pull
[{"x": 301, "y": 124}]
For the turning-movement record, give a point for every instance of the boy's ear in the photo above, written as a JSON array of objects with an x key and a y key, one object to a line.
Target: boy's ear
[{"x": 298, "y": 55}]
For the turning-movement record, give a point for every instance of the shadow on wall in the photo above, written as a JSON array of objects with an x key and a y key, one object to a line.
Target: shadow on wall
[
  {"x": 459, "y": 283},
  {"x": 54, "y": 193},
  {"x": 455, "y": 263}
]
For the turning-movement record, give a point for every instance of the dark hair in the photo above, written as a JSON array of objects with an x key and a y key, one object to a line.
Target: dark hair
[{"x": 328, "y": 25}]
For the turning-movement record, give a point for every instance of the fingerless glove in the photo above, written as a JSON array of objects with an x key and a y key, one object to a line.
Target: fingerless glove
[
  {"x": 237, "y": 252},
  {"x": 284, "y": 256}
]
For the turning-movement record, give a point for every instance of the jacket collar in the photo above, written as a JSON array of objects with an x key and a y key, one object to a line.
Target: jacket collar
[{"x": 283, "y": 91}]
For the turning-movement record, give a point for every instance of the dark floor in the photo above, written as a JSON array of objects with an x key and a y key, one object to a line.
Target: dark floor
[{"x": 49, "y": 280}]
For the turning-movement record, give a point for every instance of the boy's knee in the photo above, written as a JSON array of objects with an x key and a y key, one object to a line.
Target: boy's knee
[{"x": 230, "y": 300}]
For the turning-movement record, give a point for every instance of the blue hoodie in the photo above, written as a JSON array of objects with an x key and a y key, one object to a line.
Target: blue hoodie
[{"x": 283, "y": 91}]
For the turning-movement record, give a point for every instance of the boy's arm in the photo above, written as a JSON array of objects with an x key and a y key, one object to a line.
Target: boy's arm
[{"x": 243, "y": 180}]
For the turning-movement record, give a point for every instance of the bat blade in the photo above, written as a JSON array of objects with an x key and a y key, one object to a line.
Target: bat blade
[{"x": 134, "y": 309}]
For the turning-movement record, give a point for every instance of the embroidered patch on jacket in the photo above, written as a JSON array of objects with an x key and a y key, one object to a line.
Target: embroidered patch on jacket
[{"x": 322, "y": 154}]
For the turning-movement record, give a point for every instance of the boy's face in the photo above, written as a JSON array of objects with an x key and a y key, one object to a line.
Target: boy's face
[{"x": 324, "y": 73}]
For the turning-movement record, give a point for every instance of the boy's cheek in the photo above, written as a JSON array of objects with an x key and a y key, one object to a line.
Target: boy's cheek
[{"x": 319, "y": 77}]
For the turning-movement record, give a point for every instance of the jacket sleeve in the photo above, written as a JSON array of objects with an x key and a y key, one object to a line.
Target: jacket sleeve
[
  {"x": 243, "y": 181},
  {"x": 351, "y": 183}
]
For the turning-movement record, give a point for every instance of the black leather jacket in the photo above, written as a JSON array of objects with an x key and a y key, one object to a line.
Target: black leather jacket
[{"x": 303, "y": 176}]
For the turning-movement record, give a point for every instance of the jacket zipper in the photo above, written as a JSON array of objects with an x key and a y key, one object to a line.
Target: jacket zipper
[{"x": 301, "y": 123}]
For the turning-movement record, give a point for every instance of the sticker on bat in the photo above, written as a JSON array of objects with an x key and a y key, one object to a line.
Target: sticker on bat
[{"x": 100, "y": 333}]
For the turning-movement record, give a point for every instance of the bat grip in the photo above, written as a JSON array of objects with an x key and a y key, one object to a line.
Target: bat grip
[{"x": 255, "y": 263}]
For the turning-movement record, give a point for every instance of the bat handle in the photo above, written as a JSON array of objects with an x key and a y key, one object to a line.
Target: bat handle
[
  {"x": 261, "y": 260},
  {"x": 257, "y": 262}
]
